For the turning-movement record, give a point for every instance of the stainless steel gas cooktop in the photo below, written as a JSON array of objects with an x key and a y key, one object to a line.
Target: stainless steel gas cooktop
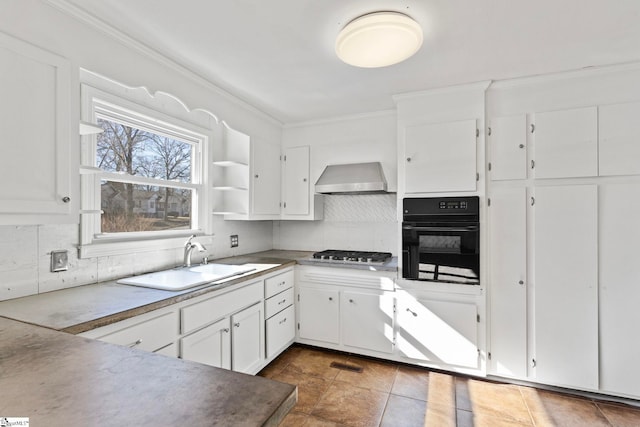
[{"x": 352, "y": 257}]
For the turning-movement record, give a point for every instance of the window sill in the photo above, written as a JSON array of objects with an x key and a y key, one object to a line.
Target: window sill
[{"x": 102, "y": 248}]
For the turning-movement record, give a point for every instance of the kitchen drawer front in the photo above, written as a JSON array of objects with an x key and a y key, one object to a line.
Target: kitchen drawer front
[
  {"x": 276, "y": 284},
  {"x": 277, "y": 303},
  {"x": 280, "y": 330},
  {"x": 150, "y": 335},
  {"x": 170, "y": 350},
  {"x": 201, "y": 313}
]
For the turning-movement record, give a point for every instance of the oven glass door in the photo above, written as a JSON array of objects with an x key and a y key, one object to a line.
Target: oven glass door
[{"x": 442, "y": 252}]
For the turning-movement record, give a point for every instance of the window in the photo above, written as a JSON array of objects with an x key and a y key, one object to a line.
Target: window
[{"x": 145, "y": 178}]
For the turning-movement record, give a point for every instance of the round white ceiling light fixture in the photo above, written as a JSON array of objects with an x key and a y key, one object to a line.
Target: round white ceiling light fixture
[{"x": 379, "y": 39}]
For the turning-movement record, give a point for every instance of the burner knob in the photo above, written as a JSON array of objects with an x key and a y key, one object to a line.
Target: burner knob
[
  {"x": 345, "y": 258},
  {"x": 369, "y": 259}
]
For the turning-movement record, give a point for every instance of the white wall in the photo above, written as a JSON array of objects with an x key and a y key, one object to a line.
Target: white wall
[
  {"x": 24, "y": 250},
  {"x": 359, "y": 222}
]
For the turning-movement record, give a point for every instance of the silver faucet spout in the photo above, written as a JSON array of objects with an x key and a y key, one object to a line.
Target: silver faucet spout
[{"x": 189, "y": 247}]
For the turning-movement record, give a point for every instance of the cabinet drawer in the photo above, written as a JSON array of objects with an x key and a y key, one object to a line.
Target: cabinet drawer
[
  {"x": 276, "y": 284},
  {"x": 201, "y": 313},
  {"x": 280, "y": 330},
  {"x": 150, "y": 335},
  {"x": 278, "y": 302}
]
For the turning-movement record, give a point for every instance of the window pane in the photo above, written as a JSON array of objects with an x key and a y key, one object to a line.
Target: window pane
[
  {"x": 134, "y": 151},
  {"x": 132, "y": 207}
]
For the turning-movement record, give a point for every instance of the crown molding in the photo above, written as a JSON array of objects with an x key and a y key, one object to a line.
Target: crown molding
[
  {"x": 338, "y": 119},
  {"x": 96, "y": 23}
]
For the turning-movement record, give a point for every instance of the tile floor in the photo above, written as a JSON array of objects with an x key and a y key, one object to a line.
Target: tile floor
[{"x": 391, "y": 394}]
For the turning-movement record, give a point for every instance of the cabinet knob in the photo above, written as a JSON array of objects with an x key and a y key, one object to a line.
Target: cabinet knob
[
  {"x": 351, "y": 301},
  {"x": 412, "y": 312},
  {"x": 304, "y": 179},
  {"x": 256, "y": 176},
  {"x": 408, "y": 159},
  {"x": 225, "y": 330},
  {"x": 521, "y": 146},
  {"x": 237, "y": 325},
  {"x": 521, "y": 282},
  {"x": 66, "y": 199},
  {"x": 330, "y": 298}
]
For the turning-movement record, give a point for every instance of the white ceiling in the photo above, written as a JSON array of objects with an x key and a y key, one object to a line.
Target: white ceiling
[{"x": 279, "y": 56}]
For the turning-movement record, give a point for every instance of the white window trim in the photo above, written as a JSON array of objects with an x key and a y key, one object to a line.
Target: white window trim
[{"x": 118, "y": 100}]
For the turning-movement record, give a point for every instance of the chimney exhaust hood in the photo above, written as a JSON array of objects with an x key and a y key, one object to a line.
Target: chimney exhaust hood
[{"x": 355, "y": 178}]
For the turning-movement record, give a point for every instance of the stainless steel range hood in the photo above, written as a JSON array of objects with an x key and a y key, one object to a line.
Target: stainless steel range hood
[{"x": 355, "y": 178}]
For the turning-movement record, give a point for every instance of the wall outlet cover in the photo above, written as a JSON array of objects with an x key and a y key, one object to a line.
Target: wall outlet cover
[
  {"x": 59, "y": 261},
  {"x": 234, "y": 241}
]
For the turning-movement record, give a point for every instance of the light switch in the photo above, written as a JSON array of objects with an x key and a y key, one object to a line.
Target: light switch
[{"x": 59, "y": 261}]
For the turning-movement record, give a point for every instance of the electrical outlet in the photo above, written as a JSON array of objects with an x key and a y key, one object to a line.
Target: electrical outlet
[
  {"x": 234, "y": 240},
  {"x": 59, "y": 261}
]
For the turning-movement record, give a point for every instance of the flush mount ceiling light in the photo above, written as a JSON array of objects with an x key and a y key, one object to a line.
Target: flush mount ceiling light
[{"x": 379, "y": 39}]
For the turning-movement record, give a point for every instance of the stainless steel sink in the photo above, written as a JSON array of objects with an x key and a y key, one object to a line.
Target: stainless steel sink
[{"x": 185, "y": 278}]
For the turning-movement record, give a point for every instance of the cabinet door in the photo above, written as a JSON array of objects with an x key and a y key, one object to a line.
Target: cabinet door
[
  {"x": 265, "y": 182},
  {"x": 296, "y": 181},
  {"x": 440, "y": 157},
  {"x": 280, "y": 331},
  {"x": 247, "y": 339},
  {"x": 619, "y": 144},
  {"x": 508, "y": 274},
  {"x": 508, "y": 142},
  {"x": 566, "y": 280},
  {"x": 318, "y": 314},
  {"x": 619, "y": 290},
  {"x": 440, "y": 332},
  {"x": 36, "y": 164},
  {"x": 566, "y": 143},
  {"x": 210, "y": 345},
  {"x": 367, "y": 320}
]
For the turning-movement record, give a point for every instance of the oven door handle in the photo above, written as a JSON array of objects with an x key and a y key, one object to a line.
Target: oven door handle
[{"x": 470, "y": 228}]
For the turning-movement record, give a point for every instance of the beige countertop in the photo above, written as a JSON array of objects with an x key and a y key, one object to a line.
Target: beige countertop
[
  {"x": 79, "y": 309},
  {"x": 57, "y": 379}
]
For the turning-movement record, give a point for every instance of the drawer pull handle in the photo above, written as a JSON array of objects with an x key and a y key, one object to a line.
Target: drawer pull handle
[
  {"x": 282, "y": 302},
  {"x": 237, "y": 325},
  {"x": 282, "y": 321},
  {"x": 412, "y": 312},
  {"x": 138, "y": 342},
  {"x": 282, "y": 283}
]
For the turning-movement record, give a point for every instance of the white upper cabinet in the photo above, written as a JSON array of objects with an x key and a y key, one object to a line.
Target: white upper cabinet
[
  {"x": 508, "y": 147},
  {"x": 566, "y": 285},
  {"x": 37, "y": 163},
  {"x": 508, "y": 282},
  {"x": 298, "y": 199},
  {"x": 440, "y": 157},
  {"x": 265, "y": 179},
  {"x": 619, "y": 139},
  {"x": 246, "y": 177},
  {"x": 566, "y": 143}
]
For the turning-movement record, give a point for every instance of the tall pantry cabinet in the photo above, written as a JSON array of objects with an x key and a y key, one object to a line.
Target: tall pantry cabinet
[{"x": 561, "y": 225}]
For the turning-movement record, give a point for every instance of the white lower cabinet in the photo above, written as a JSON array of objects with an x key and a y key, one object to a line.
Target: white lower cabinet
[
  {"x": 318, "y": 314},
  {"x": 210, "y": 345},
  {"x": 367, "y": 320},
  {"x": 442, "y": 333},
  {"x": 247, "y": 339},
  {"x": 281, "y": 330}
]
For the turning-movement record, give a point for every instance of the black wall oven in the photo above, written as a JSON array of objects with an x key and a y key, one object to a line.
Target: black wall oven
[{"x": 441, "y": 240}]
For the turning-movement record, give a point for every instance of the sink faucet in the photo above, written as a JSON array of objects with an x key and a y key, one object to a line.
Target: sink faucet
[{"x": 189, "y": 246}]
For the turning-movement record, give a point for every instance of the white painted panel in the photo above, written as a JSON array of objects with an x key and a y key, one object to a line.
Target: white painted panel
[
  {"x": 507, "y": 287},
  {"x": 619, "y": 290},
  {"x": 18, "y": 261},
  {"x": 367, "y": 320},
  {"x": 566, "y": 285},
  {"x": 442, "y": 332},
  {"x": 508, "y": 146},
  {"x": 619, "y": 139},
  {"x": 318, "y": 314},
  {"x": 566, "y": 143},
  {"x": 440, "y": 157}
]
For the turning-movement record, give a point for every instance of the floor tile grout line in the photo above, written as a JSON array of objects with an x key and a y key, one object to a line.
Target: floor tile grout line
[{"x": 531, "y": 417}]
